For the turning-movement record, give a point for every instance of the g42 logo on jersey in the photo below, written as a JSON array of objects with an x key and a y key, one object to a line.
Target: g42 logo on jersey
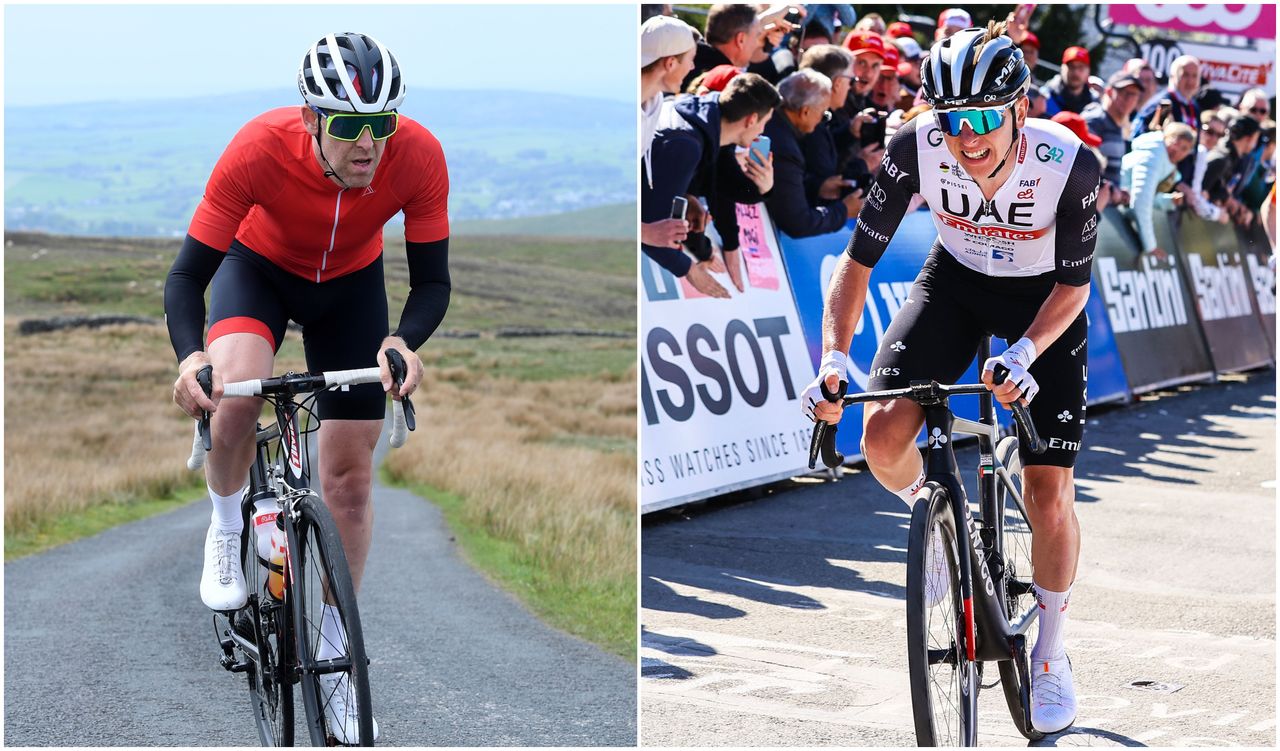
[
  {"x": 934, "y": 137},
  {"x": 1047, "y": 153}
]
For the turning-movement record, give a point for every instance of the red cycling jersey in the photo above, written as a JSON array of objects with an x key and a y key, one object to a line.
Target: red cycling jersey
[{"x": 269, "y": 192}]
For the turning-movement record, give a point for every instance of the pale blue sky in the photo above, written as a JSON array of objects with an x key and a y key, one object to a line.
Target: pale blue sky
[{"x": 77, "y": 53}]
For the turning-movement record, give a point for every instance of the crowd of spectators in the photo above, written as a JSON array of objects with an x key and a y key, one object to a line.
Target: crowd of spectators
[{"x": 829, "y": 88}]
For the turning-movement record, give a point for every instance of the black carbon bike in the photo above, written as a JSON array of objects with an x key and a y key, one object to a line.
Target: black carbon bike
[
  {"x": 276, "y": 638},
  {"x": 988, "y": 612}
]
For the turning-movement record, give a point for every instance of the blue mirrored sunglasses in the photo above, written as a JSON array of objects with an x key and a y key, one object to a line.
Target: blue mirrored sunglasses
[{"x": 981, "y": 121}]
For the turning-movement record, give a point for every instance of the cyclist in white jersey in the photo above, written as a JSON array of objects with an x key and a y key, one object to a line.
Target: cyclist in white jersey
[{"x": 1014, "y": 202}]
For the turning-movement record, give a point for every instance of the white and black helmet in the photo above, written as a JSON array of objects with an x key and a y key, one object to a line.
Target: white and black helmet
[
  {"x": 368, "y": 80},
  {"x": 956, "y": 73}
]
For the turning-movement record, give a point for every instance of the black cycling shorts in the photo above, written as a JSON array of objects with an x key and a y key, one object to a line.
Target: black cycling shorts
[
  {"x": 343, "y": 321},
  {"x": 936, "y": 335}
]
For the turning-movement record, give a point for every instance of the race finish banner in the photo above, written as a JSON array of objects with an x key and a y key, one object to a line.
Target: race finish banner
[
  {"x": 720, "y": 380},
  {"x": 810, "y": 263},
  {"x": 1152, "y": 314},
  {"x": 1262, "y": 275},
  {"x": 1215, "y": 266}
]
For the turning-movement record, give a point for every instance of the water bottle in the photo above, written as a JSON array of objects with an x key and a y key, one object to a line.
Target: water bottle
[
  {"x": 264, "y": 525},
  {"x": 275, "y": 571}
]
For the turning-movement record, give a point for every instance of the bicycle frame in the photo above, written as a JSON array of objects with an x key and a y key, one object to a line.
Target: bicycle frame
[{"x": 989, "y": 635}]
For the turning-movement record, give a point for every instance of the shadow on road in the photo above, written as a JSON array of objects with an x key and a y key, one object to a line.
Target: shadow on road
[{"x": 1086, "y": 737}]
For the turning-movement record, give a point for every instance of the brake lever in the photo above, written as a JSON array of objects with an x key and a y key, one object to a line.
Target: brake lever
[
  {"x": 823, "y": 441},
  {"x": 204, "y": 377},
  {"x": 1021, "y": 413},
  {"x": 400, "y": 371}
]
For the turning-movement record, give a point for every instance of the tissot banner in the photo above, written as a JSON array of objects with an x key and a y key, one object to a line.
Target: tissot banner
[
  {"x": 1152, "y": 314},
  {"x": 1218, "y": 275},
  {"x": 720, "y": 380}
]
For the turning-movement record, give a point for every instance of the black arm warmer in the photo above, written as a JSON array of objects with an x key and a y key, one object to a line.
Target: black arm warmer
[
  {"x": 184, "y": 295},
  {"x": 429, "y": 289}
]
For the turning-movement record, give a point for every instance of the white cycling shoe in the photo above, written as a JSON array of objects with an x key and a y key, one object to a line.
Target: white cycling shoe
[
  {"x": 1053, "y": 695},
  {"x": 937, "y": 579},
  {"x": 222, "y": 584},
  {"x": 341, "y": 709}
]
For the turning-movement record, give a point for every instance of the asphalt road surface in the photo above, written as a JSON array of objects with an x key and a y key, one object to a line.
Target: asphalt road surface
[
  {"x": 106, "y": 643},
  {"x": 780, "y": 621}
]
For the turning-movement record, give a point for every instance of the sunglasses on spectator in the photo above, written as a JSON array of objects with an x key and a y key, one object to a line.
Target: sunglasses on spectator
[
  {"x": 347, "y": 126},
  {"x": 980, "y": 121},
  {"x": 1214, "y": 133},
  {"x": 1260, "y": 110}
]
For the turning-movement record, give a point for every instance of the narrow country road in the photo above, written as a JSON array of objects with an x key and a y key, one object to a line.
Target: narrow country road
[{"x": 106, "y": 643}]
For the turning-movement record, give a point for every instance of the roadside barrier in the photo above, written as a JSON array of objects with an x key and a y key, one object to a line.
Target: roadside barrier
[{"x": 720, "y": 379}]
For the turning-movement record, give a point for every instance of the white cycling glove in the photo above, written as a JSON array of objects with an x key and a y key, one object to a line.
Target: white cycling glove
[
  {"x": 1018, "y": 359},
  {"x": 834, "y": 361}
]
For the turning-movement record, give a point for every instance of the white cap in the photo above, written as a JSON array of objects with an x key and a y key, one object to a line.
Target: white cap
[
  {"x": 955, "y": 17},
  {"x": 909, "y": 48},
  {"x": 664, "y": 36}
]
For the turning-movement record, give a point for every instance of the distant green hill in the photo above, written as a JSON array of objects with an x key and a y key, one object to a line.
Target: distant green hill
[
  {"x": 139, "y": 168},
  {"x": 613, "y": 221}
]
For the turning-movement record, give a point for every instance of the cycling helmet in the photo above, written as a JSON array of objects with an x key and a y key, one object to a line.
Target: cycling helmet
[
  {"x": 368, "y": 80},
  {"x": 957, "y": 73}
]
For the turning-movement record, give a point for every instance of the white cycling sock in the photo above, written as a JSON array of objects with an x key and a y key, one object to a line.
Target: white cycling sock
[
  {"x": 1053, "y": 620},
  {"x": 908, "y": 494},
  {"x": 333, "y": 637},
  {"x": 226, "y": 510}
]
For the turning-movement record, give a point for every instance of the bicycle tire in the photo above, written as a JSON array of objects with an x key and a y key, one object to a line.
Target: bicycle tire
[
  {"x": 944, "y": 688},
  {"x": 318, "y": 567},
  {"x": 1014, "y": 530},
  {"x": 270, "y": 685}
]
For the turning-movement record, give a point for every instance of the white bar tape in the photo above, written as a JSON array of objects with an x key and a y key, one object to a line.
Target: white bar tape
[
  {"x": 352, "y": 377},
  {"x": 399, "y": 429},
  {"x": 197, "y": 451},
  {"x": 242, "y": 388}
]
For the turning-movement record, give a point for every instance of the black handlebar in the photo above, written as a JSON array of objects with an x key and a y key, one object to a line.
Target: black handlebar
[{"x": 823, "y": 442}]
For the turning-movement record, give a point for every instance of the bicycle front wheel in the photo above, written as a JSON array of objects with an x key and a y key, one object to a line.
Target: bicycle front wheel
[
  {"x": 944, "y": 684},
  {"x": 264, "y": 622},
  {"x": 1015, "y": 585},
  {"x": 330, "y": 643}
]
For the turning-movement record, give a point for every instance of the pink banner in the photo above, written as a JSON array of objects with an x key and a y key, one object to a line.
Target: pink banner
[{"x": 1253, "y": 21}]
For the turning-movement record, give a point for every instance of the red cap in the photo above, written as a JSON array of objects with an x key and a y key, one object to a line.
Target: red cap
[
  {"x": 719, "y": 77},
  {"x": 1032, "y": 40},
  {"x": 899, "y": 29},
  {"x": 1076, "y": 55},
  {"x": 1076, "y": 124},
  {"x": 891, "y": 58},
  {"x": 905, "y": 69},
  {"x": 865, "y": 42}
]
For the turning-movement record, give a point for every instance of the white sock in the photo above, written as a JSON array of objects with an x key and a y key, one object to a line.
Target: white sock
[
  {"x": 1053, "y": 620},
  {"x": 333, "y": 637},
  {"x": 226, "y": 510},
  {"x": 908, "y": 494}
]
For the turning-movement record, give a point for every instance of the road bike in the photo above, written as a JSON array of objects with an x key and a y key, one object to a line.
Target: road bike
[
  {"x": 276, "y": 638},
  {"x": 989, "y": 611}
]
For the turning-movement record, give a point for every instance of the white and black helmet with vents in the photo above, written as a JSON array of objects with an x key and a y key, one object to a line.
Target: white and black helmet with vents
[
  {"x": 961, "y": 71},
  {"x": 350, "y": 72}
]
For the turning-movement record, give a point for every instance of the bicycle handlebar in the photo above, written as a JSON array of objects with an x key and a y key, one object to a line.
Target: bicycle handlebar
[
  {"x": 402, "y": 416},
  {"x": 823, "y": 442}
]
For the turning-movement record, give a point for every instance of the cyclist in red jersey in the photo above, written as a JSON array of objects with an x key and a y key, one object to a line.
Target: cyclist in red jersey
[{"x": 290, "y": 228}]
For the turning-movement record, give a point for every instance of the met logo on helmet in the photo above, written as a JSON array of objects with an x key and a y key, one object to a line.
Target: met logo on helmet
[{"x": 1047, "y": 153}]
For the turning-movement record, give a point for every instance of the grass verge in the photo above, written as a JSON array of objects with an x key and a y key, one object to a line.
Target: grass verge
[
  {"x": 52, "y": 531},
  {"x": 597, "y": 611}
]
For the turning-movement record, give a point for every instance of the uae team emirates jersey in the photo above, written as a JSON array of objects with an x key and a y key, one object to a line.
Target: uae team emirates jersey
[
  {"x": 269, "y": 192},
  {"x": 1042, "y": 220}
]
